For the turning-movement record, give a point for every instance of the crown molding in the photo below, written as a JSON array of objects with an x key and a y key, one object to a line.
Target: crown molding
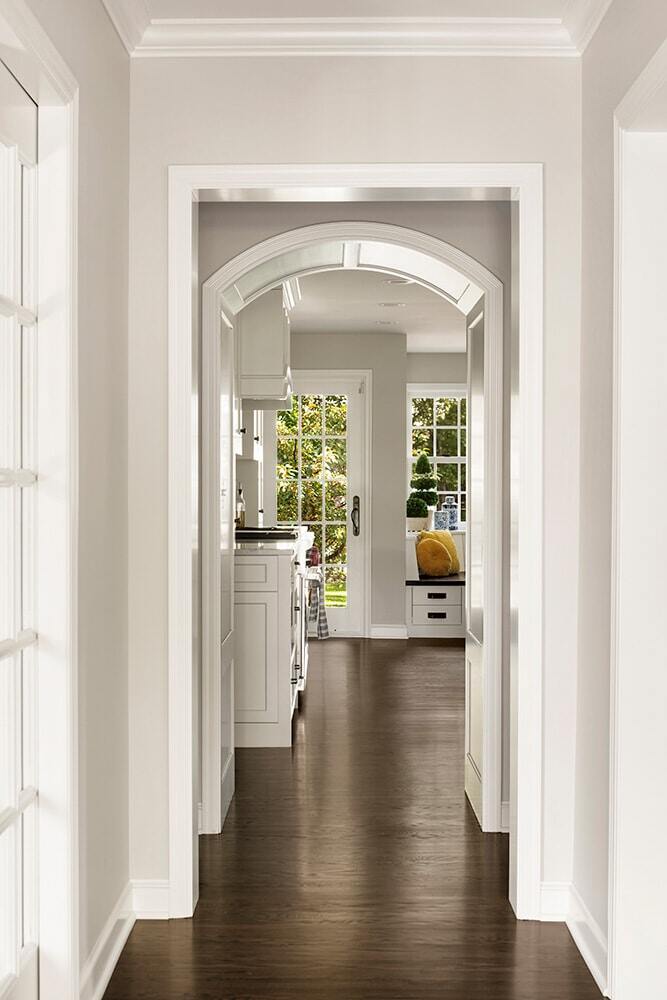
[
  {"x": 356, "y": 36},
  {"x": 130, "y": 18},
  {"x": 582, "y": 18},
  {"x": 360, "y": 36}
]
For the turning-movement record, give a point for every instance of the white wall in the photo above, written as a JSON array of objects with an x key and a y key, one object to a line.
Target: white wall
[
  {"x": 625, "y": 41},
  {"x": 85, "y": 38},
  {"x": 451, "y": 368},
  {"x": 355, "y": 110}
]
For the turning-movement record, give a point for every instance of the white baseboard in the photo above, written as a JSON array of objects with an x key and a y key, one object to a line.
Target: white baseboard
[
  {"x": 102, "y": 960},
  {"x": 150, "y": 899},
  {"x": 389, "y": 632},
  {"x": 555, "y": 901},
  {"x": 589, "y": 939},
  {"x": 560, "y": 901},
  {"x": 504, "y": 817},
  {"x": 227, "y": 783}
]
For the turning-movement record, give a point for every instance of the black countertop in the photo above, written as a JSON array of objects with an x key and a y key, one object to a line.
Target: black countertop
[{"x": 455, "y": 580}]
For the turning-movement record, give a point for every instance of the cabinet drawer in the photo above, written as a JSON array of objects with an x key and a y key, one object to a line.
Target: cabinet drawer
[
  {"x": 255, "y": 574},
  {"x": 436, "y": 595},
  {"x": 423, "y": 614}
]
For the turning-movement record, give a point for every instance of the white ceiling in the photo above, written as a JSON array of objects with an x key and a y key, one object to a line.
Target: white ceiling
[
  {"x": 356, "y": 27},
  {"x": 350, "y": 302}
]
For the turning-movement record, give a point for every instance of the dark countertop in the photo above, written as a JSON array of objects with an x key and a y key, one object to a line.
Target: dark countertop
[{"x": 455, "y": 580}]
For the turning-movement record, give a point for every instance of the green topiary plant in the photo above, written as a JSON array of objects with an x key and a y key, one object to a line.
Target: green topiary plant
[
  {"x": 424, "y": 482},
  {"x": 415, "y": 507}
]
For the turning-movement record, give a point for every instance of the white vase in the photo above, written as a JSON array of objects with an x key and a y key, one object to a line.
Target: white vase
[
  {"x": 430, "y": 518},
  {"x": 416, "y": 523}
]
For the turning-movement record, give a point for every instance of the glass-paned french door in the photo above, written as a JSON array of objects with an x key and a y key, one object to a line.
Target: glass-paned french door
[
  {"x": 18, "y": 465},
  {"x": 319, "y": 473}
]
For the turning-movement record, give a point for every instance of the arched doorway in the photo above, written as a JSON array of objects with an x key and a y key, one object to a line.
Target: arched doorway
[{"x": 463, "y": 282}]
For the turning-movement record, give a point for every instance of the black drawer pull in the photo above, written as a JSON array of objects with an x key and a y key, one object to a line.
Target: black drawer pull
[
  {"x": 437, "y": 597},
  {"x": 437, "y": 614}
]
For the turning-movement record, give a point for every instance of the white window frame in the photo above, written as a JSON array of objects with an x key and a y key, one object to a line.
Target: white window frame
[
  {"x": 32, "y": 58},
  {"x": 433, "y": 390}
]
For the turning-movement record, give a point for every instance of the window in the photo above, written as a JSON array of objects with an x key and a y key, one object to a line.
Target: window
[
  {"x": 311, "y": 480},
  {"x": 437, "y": 425},
  {"x": 18, "y": 460}
]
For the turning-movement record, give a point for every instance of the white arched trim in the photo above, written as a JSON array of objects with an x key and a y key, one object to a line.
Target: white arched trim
[
  {"x": 524, "y": 181},
  {"x": 332, "y": 246}
]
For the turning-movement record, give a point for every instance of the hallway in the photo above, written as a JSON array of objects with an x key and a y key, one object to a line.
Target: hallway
[{"x": 351, "y": 866}]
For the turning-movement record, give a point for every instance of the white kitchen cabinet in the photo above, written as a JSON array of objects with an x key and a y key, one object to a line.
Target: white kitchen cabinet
[
  {"x": 263, "y": 332},
  {"x": 269, "y": 641},
  {"x": 252, "y": 425}
]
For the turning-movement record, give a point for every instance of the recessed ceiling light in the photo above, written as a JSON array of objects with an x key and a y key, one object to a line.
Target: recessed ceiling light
[
  {"x": 385, "y": 322},
  {"x": 397, "y": 281},
  {"x": 392, "y": 305}
]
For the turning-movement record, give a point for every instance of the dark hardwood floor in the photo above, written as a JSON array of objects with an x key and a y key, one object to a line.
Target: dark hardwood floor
[{"x": 351, "y": 866}]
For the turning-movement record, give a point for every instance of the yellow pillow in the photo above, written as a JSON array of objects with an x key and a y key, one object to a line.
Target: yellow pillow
[
  {"x": 433, "y": 558},
  {"x": 445, "y": 538}
]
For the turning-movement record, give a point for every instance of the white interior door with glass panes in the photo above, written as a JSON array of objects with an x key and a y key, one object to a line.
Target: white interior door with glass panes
[
  {"x": 320, "y": 482},
  {"x": 19, "y": 662},
  {"x": 437, "y": 422}
]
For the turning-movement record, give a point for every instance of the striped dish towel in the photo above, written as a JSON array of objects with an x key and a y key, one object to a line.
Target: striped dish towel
[{"x": 317, "y": 613}]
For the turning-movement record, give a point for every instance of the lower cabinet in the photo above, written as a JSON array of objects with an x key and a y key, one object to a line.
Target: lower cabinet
[
  {"x": 436, "y": 609},
  {"x": 268, "y": 654}
]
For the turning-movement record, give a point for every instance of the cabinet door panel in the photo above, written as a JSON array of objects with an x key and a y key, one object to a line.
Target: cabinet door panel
[{"x": 255, "y": 669}]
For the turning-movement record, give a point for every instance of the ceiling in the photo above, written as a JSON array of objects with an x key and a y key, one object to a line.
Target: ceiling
[
  {"x": 364, "y": 302},
  {"x": 356, "y": 27}
]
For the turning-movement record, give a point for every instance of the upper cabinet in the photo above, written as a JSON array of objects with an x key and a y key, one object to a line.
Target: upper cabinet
[{"x": 264, "y": 348}]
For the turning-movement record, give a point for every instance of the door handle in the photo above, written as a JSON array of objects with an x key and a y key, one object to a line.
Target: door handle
[{"x": 355, "y": 515}]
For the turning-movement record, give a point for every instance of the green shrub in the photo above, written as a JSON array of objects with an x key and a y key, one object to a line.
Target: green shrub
[
  {"x": 415, "y": 507},
  {"x": 424, "y": 482}
]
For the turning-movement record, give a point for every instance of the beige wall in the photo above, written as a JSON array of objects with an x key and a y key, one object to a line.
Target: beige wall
[
  {"x": 384, "y": 354},
  {"x": 617, "y": 54},
  {"x": 450, "y": 368},
  {"x": 350, "y": 110},
  {"x": 85, "y": 38}
]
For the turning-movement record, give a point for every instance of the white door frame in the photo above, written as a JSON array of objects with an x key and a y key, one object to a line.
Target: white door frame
[
  {"x": 636, "y": 112},
  {"x": 525, "y": 183},
  {"x": 29, "y": 53}
]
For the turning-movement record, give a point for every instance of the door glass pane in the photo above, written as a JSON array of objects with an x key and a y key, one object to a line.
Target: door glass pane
[
  {"x": 311, "y": 415},
  {"x": 336, "y": 415},
  {"x": 287, "y": 421},
  {"x": 335, "y": 586},
  {"x": 336, "y": 499},
  {"x": 335, "y": 457},
  {"x": 311, "y": 457},
  {"x": 335, "y": 550},
  {"x": 286, "y": 502},
  {"x": 311, "y": 500},
  {"x": 287, "y": 458}
]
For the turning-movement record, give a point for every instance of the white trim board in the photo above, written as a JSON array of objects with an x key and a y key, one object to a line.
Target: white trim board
[
  {"x": 525, "y": 182},
  {"x": 389, "y": 632},
  {"x": 102, "y": 960},
  {"x": 31, "y": 56},
  {"x": 150, "y": 899},
  {"x": 560, "y": 902},
  {"x": 144, "y": 36}
]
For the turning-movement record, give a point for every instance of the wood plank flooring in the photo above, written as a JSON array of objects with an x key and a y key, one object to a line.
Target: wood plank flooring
[{"x": 351, "y": 866}]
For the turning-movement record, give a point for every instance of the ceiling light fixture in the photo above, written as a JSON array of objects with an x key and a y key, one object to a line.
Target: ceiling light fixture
[
  {"x": 397, "y": 281},
  {"x": 392, "y": 305},
  {"x": 385, "y": 322}
]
